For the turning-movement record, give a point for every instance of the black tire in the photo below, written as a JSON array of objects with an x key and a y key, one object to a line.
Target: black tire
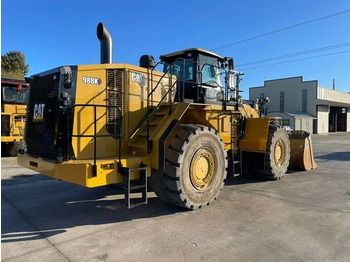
[
  {"x": 13, "y": 148},
  {"x": 158, "y": 185},
  {"x": 195, "y": 167},
  {"x": 278, "y": 153}
]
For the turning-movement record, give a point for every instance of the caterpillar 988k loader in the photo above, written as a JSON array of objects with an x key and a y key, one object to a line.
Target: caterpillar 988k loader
[{"x": 183, "y": 128}]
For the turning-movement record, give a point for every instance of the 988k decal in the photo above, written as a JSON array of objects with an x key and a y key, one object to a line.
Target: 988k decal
[{"x": 91, "y": 80}]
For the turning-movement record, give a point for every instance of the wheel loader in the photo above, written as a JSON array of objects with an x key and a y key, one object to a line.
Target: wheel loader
[{"x": 181, "y": 128}]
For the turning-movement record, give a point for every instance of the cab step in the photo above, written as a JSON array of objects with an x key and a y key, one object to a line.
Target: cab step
[
  {"x": 139, "y": 185},
  {"x": 237, "y": 166}
]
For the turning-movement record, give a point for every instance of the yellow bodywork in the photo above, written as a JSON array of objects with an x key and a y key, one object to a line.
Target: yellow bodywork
[
  {"x": 80, "y": 171},
  {"x": 213, "y": 116},
  {"x": 136, "y": 83},
  {"x": 247, "y": 111},
  {"x": 17, "y": 115},
  {"x": 135, "y": 91},
  {"x": 256, "y": 134},
  {"x": 134, "y": 101}
]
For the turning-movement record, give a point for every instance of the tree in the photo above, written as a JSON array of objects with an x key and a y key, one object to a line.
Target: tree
[{"x": 13, "y": 65}]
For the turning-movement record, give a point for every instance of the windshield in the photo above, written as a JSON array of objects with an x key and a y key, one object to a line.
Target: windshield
[
  {"x": 210, "y": 71},
  {"x": 15, "y": 94}
]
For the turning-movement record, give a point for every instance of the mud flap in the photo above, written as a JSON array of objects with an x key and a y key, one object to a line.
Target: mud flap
[{"x": 301, "y": 153}]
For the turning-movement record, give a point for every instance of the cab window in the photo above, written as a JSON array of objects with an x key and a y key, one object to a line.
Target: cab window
[{"x": 14, "y": 94}]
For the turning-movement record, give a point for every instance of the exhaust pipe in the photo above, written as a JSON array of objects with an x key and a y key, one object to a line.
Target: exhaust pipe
[{"x": 106, "y": 44}]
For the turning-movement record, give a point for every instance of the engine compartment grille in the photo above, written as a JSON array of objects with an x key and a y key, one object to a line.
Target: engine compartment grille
[
  {"x": 40, "y": 135},
  {"x": 114, "y": 101}
]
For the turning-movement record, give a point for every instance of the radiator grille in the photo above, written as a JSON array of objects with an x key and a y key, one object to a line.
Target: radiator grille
[
  {"x": 40, "y": 136},
  {"x": 114, "y": 100}
]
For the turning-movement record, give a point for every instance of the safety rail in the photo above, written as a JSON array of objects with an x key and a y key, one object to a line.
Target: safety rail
[
  {"x": 168, "y": 71},
  {"x": 230, "y": 84},
  {"x": 95, "y": 136},
  {"x": 172, "y": 87}
]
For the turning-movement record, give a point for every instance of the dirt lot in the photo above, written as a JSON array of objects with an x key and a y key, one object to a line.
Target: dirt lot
[{"x": 304, "y": 217}]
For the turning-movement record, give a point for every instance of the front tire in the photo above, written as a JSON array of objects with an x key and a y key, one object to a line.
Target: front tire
[
  {"x": 278, "y": 153},
  {"x": 195, "y": 167}
]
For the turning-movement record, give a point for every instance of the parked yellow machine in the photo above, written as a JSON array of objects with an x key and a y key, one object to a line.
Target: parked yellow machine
[
  {"x": 184, "y": 127},
  {"x": 14, "y": 94}
]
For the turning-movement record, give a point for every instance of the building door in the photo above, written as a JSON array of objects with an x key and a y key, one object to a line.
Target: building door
[
  {"x": 337, "y": 119},
  {"x": 314, "y": 128}
]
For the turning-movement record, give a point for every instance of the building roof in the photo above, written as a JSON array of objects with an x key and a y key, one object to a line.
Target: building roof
[
  {"x": 333, "y": 97},
  {"x": 294, "y": 114}
]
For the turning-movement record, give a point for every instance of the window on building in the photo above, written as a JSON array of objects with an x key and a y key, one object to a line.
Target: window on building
[
  {"x": 285, "y": 122},
  {"x": 282, "y": 101},
  {"x": 304, "y": 101}
]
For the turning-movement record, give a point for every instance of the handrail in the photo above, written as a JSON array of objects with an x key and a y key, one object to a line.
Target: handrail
[
  {"x": 172, "y": 86},
  {"x": 152, "y": 91},
  {"x": 69, "y": 136},
  {"x": 161, "y": 78},
  {"x": 228, "y": 74},
  {"x": 150, "y": 114}
]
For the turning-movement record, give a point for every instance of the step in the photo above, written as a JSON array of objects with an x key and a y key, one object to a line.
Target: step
[
  {"x": 164, "y": 109},
  {"x": 138, "y": 145},
  {"x": 128, "y": 186},
  {"x": 160, "y": 114},
  {"x": 143, "y": 130},
  {"x": 137, "y": 187},
  {"x": 139, "y": 139},
  {"x": 155, "y": 123}
]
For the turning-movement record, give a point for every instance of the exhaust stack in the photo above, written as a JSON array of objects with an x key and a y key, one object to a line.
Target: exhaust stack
[{"x": 106, "y": 48}]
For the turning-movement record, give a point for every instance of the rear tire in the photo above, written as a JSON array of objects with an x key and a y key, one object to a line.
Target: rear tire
[{"x": 195, "y": 167}]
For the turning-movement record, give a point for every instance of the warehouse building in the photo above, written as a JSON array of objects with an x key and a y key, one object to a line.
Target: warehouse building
[{"x": 303, "y": 105}]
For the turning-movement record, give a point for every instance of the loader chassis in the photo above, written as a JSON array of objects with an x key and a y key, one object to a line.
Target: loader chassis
[
  {"x": 185, "y": 128},
  {"x": 82, "y": 132}
]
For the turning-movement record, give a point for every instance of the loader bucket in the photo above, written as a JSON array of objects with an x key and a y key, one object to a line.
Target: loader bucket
[{"x": 301, "y": 153}]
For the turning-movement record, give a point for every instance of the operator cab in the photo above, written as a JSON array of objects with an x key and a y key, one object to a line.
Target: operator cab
[
  {"x": 14, "y": 91},
  {"x": 198, "y": 72}
]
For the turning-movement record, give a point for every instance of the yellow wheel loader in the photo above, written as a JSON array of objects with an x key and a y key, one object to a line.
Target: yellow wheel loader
[
  {"x": 182, "y": 127},
  {"x": 14, "y": 95}
]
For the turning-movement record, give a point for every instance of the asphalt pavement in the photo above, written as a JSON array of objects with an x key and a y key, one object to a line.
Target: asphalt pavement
[{"x": 303, "y": 217}]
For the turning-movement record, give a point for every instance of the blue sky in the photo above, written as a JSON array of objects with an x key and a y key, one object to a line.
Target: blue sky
[{"x": 54, "y": 33}]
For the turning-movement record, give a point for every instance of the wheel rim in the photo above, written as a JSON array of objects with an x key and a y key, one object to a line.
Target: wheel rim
[
  {"x": 279, "y": 153},
  {"x": 202, "y": 168}
]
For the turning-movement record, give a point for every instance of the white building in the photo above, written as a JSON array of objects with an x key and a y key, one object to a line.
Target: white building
[{"x": 303, "y": 105}]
